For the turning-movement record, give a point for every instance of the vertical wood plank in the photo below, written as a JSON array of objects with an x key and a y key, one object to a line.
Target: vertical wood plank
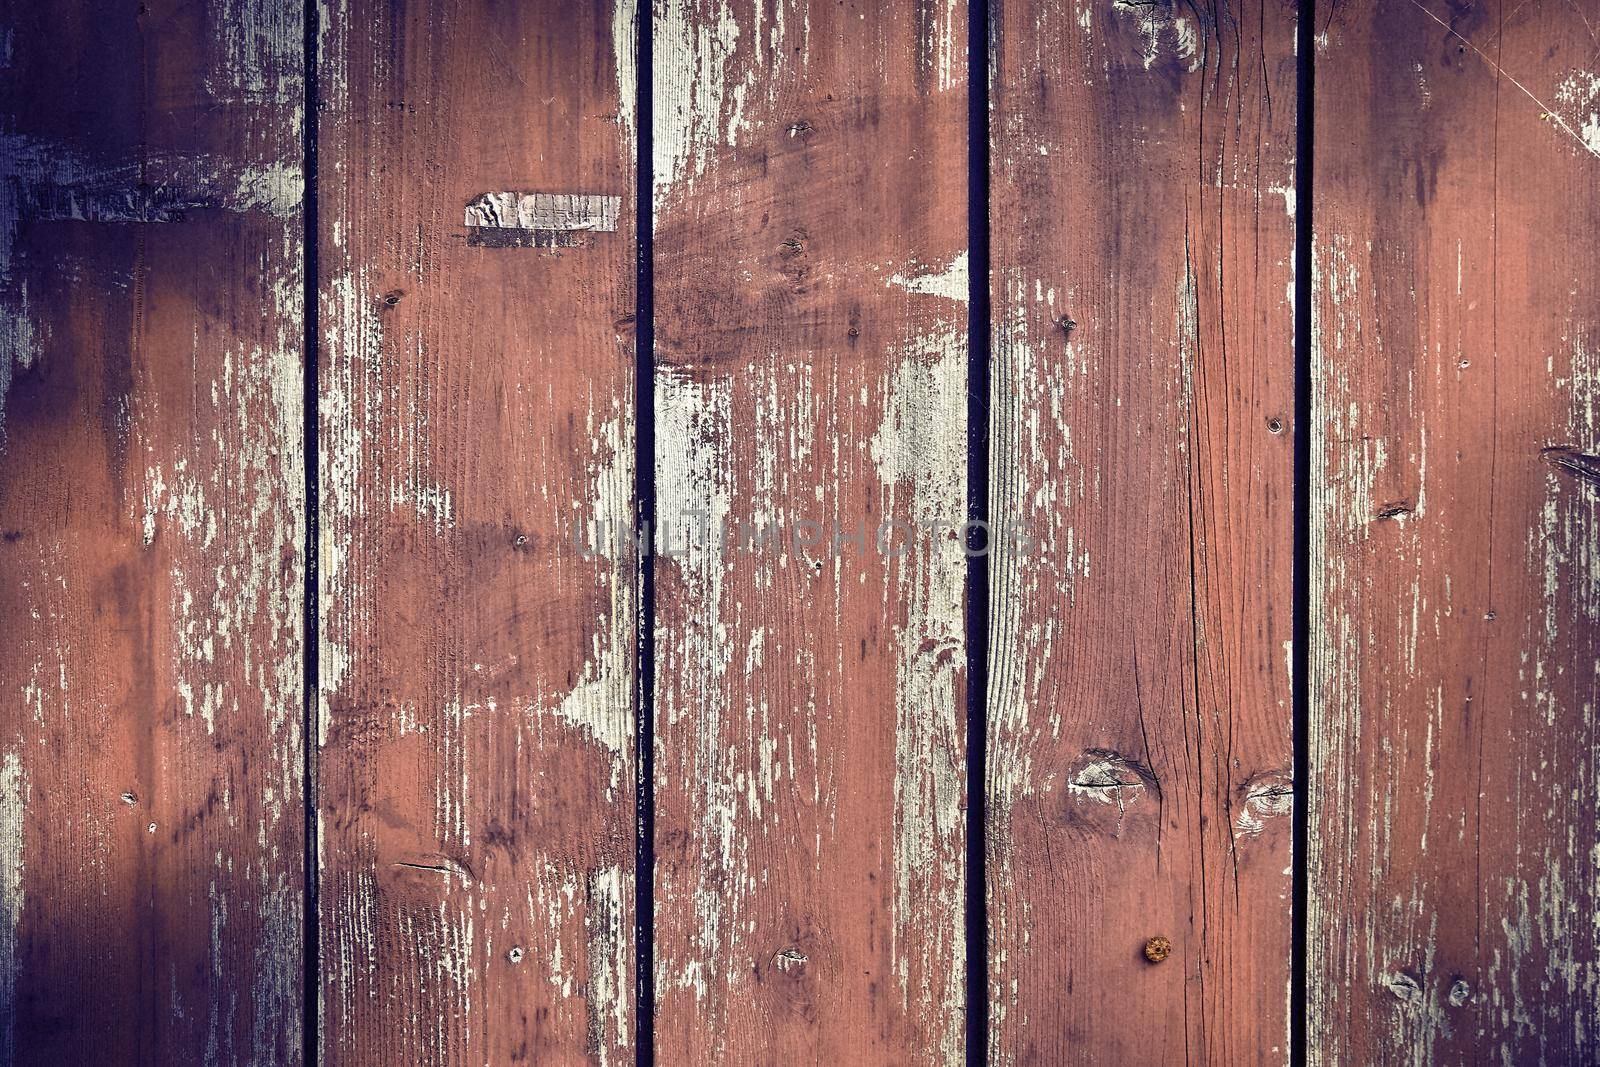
[
  {"x": 151, "y": 533},
  {"x": 477, "y": 669},
  {"x": 1455, "y": 566},
  {"x": 810, "y": 266},
  {"x": 1143, "y": 387}
]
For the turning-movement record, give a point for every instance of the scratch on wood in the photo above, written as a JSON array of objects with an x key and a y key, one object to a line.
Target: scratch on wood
[
  {"x": 1589, "y": 139},
  {"x": 1581, "y": 465}
]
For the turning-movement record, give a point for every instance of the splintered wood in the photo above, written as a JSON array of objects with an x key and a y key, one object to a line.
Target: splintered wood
[{"x": 340, "y": 363}]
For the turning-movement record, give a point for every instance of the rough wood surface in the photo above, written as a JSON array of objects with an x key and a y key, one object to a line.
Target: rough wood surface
[
  {"x": 477, "y": 656},
  {"x": 1456, "y": 568},
  {"x": 1142, "y": 232},
  {"x": 810, "y": 267},
  {"x": 151, "y": 532}
]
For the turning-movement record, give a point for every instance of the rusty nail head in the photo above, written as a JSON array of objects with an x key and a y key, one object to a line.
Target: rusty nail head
[{"x": 1157, "y": 949}]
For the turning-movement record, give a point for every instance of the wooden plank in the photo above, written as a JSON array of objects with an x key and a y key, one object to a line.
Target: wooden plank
[
  {"x": 477, "y": 654},
  {"x": 810, "y": 274},
  {"x": 1455, "y": 566},
  {"x": 151, "y": 533},
  {"x": 1142, "y": 458}
]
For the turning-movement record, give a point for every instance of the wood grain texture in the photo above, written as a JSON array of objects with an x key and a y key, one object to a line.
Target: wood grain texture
[
  {"x": 151, "y": 533},
  {"x": 1142, "y": 232},
  {"x": 810, "y": 271},
  {"x": 1456, "y": 568},
  {"x": 477, "y": 647}
]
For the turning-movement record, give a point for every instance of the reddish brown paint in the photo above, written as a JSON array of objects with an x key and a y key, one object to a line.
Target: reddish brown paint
[
  {"x": 477, "y": 844},
  {"x": 476, "y": 747},
  {"x": 1143, "y": 390},
  {"x": 151, "y": 510},
  {"x": 1456, "y": 604},
  {"x": 795, "y": 918}
]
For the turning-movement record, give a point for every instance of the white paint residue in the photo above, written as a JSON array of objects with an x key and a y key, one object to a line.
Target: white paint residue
[
  {"x": 352, "y": 396},
  {"x": 624, "y": 37},
  {"x": 921, "y": 459},
  {"x": 1265, "y": 800},
  {"x": 262, "y": 53},
  {"x": 19, "y": 336},
  {"x": 610, "y": 1002},
  {"x": 13, "y": 811},
  {"x": 1287, "y": 192},
  {"x": 949, "y": 281},
  {"x": 1578, "y": 97},
  {"x": 602, "y": 701},
  {"x": 276, "y": 188},
  {"x": 1105, "y": 781},
  {"x": 942, "y": 48},
  {"x": 1188, "y": 43},
  {"x": 1153, "y": 22},
  {"x": 692, "y": 472},
  {"x": 544, "y": 211},
  {"x": 700, "y": 91}
]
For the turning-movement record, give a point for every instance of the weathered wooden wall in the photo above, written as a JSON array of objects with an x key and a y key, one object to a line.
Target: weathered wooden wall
[
  {"x": 810, "y": 281},
  {"x": 477, "y": 645},
  {"x": 151, "y": 530},
  {"x": 1142, "y": 229},
  {"x": 1455, "y": 558},
  {"x": 455, "y": 881}
]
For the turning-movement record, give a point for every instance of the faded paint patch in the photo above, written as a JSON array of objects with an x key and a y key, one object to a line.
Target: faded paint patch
[
  {"x": 46, "y": 182},
  {"x": 693, "y": 420},
  {"x": 541, "y": 220},
  {"x": 1158, "y": 27},
  {"x": 949, "y": 281},
  {"x": 711, "y": 70},
  {"x": 13, "y": 811},
  {"x": 609, "y": 946},
  {"x": 602, "y": 701},
  {"x": 919, "y": 450},
  {"x": 624, "y": 37},
  {"x": 1578, "y": 99}
]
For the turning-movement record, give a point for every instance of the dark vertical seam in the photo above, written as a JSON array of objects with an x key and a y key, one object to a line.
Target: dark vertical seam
[
  {"x": 1299, "y": 999},
  {"x": 977, "y": 576},
  {"x": 645, "y": 507},
  {"x": 310, "y": 741}
]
